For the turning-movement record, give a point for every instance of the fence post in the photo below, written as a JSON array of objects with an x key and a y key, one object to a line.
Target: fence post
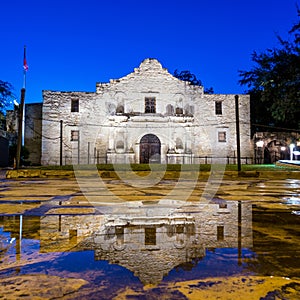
[
  {"x": 61, "y": 143},
  {"x": 88, "y": 153},
  {"x": 78, "y": 154}
]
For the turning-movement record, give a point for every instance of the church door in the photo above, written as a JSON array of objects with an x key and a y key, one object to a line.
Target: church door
[{"x": 150, "y": 149}]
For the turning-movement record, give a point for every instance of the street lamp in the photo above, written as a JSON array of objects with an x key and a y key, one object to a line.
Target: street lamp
[
  {"x": 292, "y": 146},
  {"x": 282, "y": 152},
  {"x": 259, "y": 146}
]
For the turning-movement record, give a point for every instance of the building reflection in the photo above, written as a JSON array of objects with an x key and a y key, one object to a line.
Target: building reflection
[{"x": 148, "y": 239}]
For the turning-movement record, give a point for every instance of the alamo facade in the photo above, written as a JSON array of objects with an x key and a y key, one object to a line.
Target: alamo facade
[{"x": 148, "y": 116}]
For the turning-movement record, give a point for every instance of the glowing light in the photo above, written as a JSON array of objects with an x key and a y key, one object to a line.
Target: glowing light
[{"x": 260, "y": 144}]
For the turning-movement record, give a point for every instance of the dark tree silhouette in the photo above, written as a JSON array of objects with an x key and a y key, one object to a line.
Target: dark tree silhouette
[
  {"x": 5, "y": 94},
  {"x": 274, "y": 83},
  {"x": 192, "y": 79}
]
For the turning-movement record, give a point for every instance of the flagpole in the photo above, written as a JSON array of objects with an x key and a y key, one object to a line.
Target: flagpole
[
  {"x": 25, "y": 68},
  {"x": 21, "y": 110}
]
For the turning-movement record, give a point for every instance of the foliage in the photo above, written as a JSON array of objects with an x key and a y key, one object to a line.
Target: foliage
[
  {"x": 192, "y": 79},
  {"x": 187, "y": 76},
  {"x": 13, "y": 154},
  {"x": 274, "y": 83},
  {"x": 5, "y": 93}
]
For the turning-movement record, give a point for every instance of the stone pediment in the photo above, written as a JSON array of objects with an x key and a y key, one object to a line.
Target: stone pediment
[{"x": 150, "y": 68}]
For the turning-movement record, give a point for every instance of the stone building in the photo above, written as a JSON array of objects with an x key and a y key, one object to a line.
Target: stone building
[
  {"x": 146, "y": 116},
  {"x": 151, "y": 240},
  {"x": 33, "y": 132},
  {"x": 270, "y": 147}
]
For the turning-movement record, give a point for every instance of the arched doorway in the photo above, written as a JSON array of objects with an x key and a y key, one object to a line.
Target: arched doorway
[{"x": 150, "y": 149}]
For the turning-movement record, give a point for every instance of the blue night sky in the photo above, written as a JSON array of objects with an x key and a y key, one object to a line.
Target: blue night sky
[{"x": 71, "y": 45}]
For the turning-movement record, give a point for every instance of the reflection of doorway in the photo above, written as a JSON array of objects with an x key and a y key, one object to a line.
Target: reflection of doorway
[
  {"x": 150, "y": 149},
  {"x": 273, "y": 152}
]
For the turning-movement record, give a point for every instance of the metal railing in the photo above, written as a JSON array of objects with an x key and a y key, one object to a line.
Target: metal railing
[{"x": 184, "y": 159}]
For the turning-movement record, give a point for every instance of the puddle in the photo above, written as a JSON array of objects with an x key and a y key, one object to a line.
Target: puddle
[
  {"x": 148, "y": 245},
  {"x": 152, "y": 249},
  {"x": 292, "y": 200}
]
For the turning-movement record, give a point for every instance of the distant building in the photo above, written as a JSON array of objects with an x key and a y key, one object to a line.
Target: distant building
[
  {"x": 4, "y": 161},
  {"x": 270, "y": 147},
  {"x": 33, "y": 132},
  {"x": 146, "y": 116},
  {"x": 8, "y": 137}
]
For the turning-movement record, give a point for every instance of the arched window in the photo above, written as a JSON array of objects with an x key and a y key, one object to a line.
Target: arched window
[
  {"x": 170, "y": 110},
  {"x": 120, "y": 109},
  {"x": 120, "y": 144},
  {"x": 179, "y": 144}
]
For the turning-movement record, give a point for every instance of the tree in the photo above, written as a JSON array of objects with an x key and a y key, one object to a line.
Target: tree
[
  {"x": 274, "y": 83},
  {"x": 192, "y": 79},
  {"x": 5, "y": 94}
]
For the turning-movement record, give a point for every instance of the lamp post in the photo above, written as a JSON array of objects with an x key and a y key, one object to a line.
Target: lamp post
[
  {"x": 292, "y": 146},
  {"x": 259, "y": 146},
  {"x": 237, "y": 123},
  {"x": 282, "y": 152},
  {"x": 20, "y": 128}
]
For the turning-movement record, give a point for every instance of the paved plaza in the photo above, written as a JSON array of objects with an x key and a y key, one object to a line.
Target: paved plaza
[{"x": 266, "y": 209}]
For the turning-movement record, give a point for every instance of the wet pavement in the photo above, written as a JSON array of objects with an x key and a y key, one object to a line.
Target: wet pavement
[{"x": 216, "y": 239}]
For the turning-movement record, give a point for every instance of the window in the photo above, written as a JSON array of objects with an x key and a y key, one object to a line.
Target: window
[
  {"x": 222, "y": 136},
  {"x": 74, "y": 135},
  {"x": 120, "y": 144},
  {"x": 74, "y": 105},
  {"x": 218, "y": 106},
  {"x": 150, "y": 236},
  {"x": 179, "y": 144},
  {"x": 150, "y": 105}
]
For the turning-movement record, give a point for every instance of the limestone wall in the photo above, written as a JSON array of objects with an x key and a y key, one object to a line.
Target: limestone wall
[{"x": 112, "y": 121}]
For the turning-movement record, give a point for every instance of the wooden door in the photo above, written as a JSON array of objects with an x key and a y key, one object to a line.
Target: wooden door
[{"x": 150, "y": 149}]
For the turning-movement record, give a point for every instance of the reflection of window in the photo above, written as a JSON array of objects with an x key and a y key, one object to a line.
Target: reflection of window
[
  {"x": 150, "y": 105},
  {"x": 150, "y": 236},
  {"x": 222, "y": 205},
  {"x": 179, "y": 229},
  {"x": 220, "y": 233},
  {"x": 222, "y": 136},
  {"x": 73, "y": 235},
  {"x": 74, "y": 105},
  {"x": 119, "y": 231},
  {"x": 74, "y": 135},
  {"x": 218, "y": 106},
  {"x": 120, "y": 235}
]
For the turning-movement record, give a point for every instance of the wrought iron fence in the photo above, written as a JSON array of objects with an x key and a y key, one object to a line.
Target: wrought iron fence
[{"x": 184, "y": 159}]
